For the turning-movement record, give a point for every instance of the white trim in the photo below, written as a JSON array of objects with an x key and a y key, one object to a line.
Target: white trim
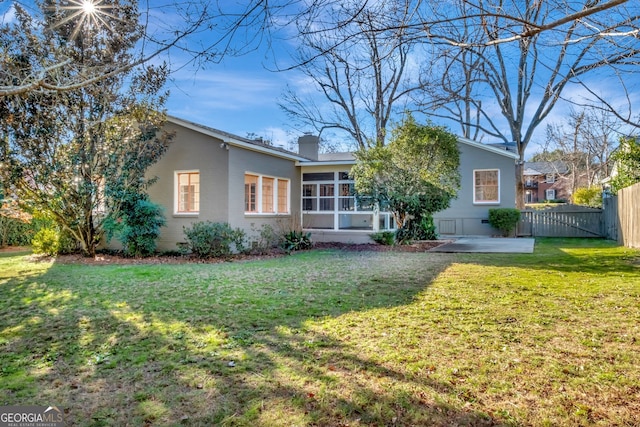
[
  {"x": 176, "y": 193},
  {"x": 276, "y": 179},
  {"x": 460, "y": 139},
  {"x": 326, "y": 163},
  {"x": 546, "y": 194},
  {"x": 486, "y": 202},
  {"x": 482, "y": 146}
]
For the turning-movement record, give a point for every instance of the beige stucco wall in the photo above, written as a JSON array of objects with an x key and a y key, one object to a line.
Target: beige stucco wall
[
  {"x": 190, "y": 150},
  {"x": 222, "y": 168},
  {"x": 243, "y": 161},
  {"x": 464, "y": 217}
]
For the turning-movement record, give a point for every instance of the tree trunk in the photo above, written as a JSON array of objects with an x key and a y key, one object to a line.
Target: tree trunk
[{"x": 520, "y": 184}]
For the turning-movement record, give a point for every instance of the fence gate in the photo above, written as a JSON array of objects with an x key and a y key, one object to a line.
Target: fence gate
[{"x": 561, "y": 222}]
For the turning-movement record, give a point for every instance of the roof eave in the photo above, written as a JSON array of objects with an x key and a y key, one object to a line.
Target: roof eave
[
  {"x": 234, "y": 140},
  {"x": 495, "y": 150},
  {"x": 326, "y": 163}
]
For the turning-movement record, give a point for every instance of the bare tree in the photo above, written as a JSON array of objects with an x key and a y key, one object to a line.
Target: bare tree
[
  {"x": 363, "y": 72},
  {"x": 585, "y": 143},
  {"x": 206, "y": 31},
  {"x": 209, "y": 31},
  {"x": 525, "y": 78}
]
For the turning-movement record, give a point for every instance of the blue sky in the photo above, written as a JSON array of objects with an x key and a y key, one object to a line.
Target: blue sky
[{"x": 240, "y": 94}]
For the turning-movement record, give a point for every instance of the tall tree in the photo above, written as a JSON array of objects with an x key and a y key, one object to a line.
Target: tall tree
[
  {"x": 585, "y": 142},
  {"x": 524, "y": 78},
  {"x": 77, "y": 154},
  {"x": 414, "y": 176},
  {"x": 364, "y": 72},
  {"x": 209, "y": 31}
]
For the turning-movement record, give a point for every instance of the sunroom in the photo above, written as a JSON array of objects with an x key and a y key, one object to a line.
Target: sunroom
[{"x": 330, "y": 208}]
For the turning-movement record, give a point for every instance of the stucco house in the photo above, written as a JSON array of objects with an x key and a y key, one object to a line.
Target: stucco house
[{"x": 208, "y": 174}]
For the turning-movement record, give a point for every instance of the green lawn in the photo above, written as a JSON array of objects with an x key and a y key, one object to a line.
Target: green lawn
[{"x": 330, "y": 338}]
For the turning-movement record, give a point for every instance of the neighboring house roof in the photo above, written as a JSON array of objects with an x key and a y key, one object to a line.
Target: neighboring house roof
[
  {"x": 237, "y": 141},
  {"x": 545, "y": 168}
]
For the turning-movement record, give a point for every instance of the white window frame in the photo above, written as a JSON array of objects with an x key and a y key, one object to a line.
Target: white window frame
[
  {"x": 276, "y": 180},
  {"x": 550, "y": 178},
  {"x": 337, "y": 213},
  {"x": 546, "y": 193},
  {"x": 336, "y": 182},
  {"x": 485, "y": 202},
  {"x": 176, "y": 192}
]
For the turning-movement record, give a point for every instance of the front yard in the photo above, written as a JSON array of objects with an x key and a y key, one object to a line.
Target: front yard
[{"x": 330, "y": 338}]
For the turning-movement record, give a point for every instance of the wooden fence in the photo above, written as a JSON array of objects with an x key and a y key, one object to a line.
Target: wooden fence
[
  {"x": 566, "y": 221},
  {"x": 621, "y": 217}
]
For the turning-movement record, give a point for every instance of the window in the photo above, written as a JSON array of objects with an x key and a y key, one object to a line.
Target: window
[
  {"x": 322, "y": 192},
  {"x": 266, "y": 195},
  {"x": 550, "y": 178},
  {"x": 345, "y": 198},
  {"x": 329, "y": 202},
  {"x": 326, "y": 197},
  {"x": 283, "y": 196},
  {"x": 550, "y": 194},
  {"x": 486, "y": 186},
  {"x": 250, "y": 193},
  {"x": 188, "y": 192}
]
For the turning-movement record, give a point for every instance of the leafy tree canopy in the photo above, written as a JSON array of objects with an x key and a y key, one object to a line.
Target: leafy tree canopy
[
  {"x": 627, "y": 161},
  {"x": 77, "y": 155},
  {"x": 413, "y": 176}
]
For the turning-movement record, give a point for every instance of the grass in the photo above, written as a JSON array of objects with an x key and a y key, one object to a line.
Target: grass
[{"x": 330, "y": 338}]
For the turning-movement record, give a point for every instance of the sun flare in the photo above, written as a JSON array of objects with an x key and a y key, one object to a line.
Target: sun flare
[
  {"x": 87, "y": 14},
  {"x": 88, "y": 7}
]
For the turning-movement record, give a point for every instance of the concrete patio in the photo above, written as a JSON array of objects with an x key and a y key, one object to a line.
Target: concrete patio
[{"x": 488, "y": 245}]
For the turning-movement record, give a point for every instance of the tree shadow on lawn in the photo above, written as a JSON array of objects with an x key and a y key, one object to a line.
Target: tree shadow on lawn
[{"x": 237, "y": 344}]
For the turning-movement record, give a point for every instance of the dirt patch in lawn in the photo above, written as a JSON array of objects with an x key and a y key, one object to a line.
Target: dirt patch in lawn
[
  {"x": 109, "y": 258},
  {"x": 14, "y": 249}
]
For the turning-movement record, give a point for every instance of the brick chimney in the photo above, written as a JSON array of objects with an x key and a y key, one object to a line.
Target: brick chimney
[{"x": 308, "y": 146}]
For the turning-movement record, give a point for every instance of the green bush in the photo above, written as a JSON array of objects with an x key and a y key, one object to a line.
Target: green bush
[
  {"x": 142, "y": 228},
  {"x": 591, "y": 197},
  {"x": 387, "y": 238},
  {"x": 208, "y": 239},
  {"x": 504, "y": 219},
  {"x": 421, "y": 228},
  {"x": 17, "y": 227},
  {"x": 267, "y": 239},
  {"x": 46, "y": 241},
  {"x": 137, "y": 226},
  {"x": 296, "y": 240}
]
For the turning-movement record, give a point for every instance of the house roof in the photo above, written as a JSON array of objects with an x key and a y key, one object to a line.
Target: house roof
[
  {"x": 237, "y": 141},
  {"x": 341, "y": 158},
  {"x": 498, "y": 149},
  {"x": 348, "y": 158},
  {"x": 332, "y": 157},
  {"x": 544, "y": 168}
]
